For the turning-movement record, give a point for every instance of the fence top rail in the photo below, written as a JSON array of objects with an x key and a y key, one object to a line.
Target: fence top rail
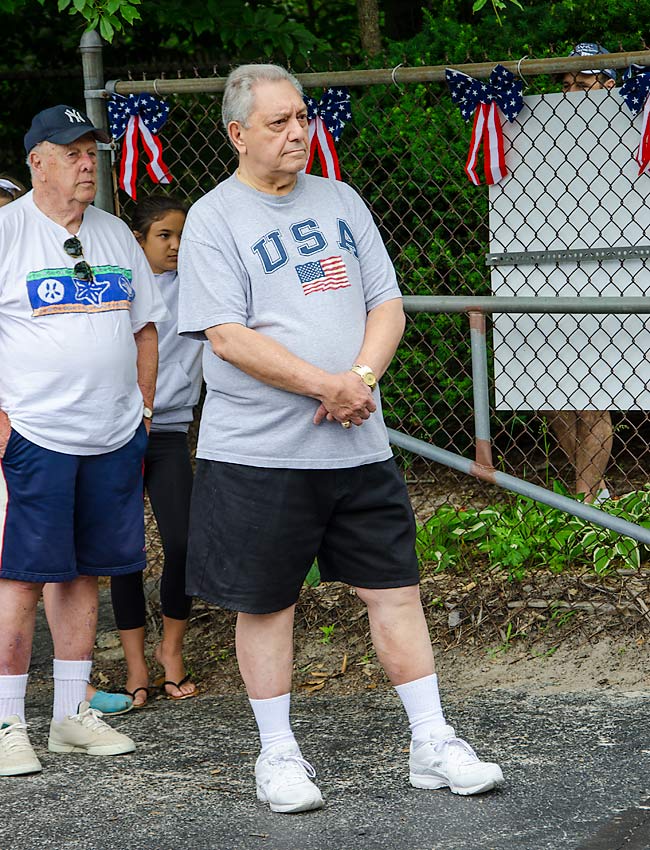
[
  {"x": 388, "y": 76},
  {"x": 533, "y": 304}
]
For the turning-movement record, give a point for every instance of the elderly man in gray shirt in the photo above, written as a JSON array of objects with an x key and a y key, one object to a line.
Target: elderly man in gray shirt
[{"x": 287, "y": 277}]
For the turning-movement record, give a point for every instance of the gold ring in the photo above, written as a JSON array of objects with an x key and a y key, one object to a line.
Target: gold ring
[{"x": 346, "y": 424}]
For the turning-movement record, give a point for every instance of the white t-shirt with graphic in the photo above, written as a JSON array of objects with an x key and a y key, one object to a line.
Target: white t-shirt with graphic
[
  {"x": 68, "y": 380},
  {"x": 304, "y": 269}
]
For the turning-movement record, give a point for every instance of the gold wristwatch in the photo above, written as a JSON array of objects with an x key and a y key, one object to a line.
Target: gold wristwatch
[
  {"x": 147, "y": 412},
  {"x": 366, "y": 374}
]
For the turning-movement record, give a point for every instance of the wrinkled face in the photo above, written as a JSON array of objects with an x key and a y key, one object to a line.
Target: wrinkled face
[
  {"x": 162, "y": 241},
  {"x": 581, "y": 82},
  {"x": 275, "y": 143},
  {"x": 68, "y": 171}
]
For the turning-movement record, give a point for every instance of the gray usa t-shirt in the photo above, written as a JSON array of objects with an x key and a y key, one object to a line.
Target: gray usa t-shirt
[{"x": 304, "y": 269}]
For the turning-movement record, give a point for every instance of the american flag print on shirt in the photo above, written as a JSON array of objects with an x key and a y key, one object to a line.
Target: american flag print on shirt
[{"x": 323, "y": 274}]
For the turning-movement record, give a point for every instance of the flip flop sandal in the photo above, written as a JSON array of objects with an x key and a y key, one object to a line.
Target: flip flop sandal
[
  {"x": 133, "y": 693},
  {"x": 162, "y": 682}
]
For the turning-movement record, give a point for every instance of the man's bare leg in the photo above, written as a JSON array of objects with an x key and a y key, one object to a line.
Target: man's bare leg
[
  {"x": 595, "y": 437},
  {"x": 71, "y": 611},
  {"x": 264, "y": 645},
  {"x": 438, "y": 759},
  {"x": 18, "y": 603},
  {"x": 399, "y": 632}
]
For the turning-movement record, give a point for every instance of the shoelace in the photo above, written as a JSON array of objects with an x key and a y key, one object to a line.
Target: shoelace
[
  {"x": 18, "y": 740},
  {"x": 460, "y": 751},
  {"x": 91, "y": 718},
  {"x": 293, "y": 763}
]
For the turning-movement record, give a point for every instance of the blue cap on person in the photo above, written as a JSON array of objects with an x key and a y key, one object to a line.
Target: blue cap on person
[
  {"x": 590, "y": 48},
  {"x": 61, "y": 125}
]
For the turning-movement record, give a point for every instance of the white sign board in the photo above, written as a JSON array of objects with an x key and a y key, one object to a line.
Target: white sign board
[{"x": 573, "y": 184}]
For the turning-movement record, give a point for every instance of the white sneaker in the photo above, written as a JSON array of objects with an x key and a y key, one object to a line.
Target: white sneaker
[
  {"x": 452, "y": 763},
  {"x": 16, "y": 753},
  {"x": 283, "y": 780},
  {"x": 86, "y": 732}
]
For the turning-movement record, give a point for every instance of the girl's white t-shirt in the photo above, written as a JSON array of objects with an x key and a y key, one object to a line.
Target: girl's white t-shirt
[{"x": 68, "y": 380}]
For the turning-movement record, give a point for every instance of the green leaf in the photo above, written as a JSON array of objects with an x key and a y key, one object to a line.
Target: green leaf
[
  {"x": 478, "y": 5},
  {"x": 130, "y": 14},
  {"x": 80, "y": 5},
  {"x": 63, "y": 4},
  {"x": 106, "y": 30},
  {"x": 602, "y": 559}
]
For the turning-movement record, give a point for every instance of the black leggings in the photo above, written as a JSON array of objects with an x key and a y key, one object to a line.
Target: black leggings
[{"x": 168, "y": 480}]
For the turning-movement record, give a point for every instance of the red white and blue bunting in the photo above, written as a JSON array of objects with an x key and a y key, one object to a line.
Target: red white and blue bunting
[
  {"x": 481, "y": 100},
  {"x": 327, "y": 119},
  {"x": 138, "y": 115},
  {"x": 635, "y": 91}
]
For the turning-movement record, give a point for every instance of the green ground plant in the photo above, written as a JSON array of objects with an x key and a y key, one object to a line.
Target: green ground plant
[{"x": 524, "y": 535}]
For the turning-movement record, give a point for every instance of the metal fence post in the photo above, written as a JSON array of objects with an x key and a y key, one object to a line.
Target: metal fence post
[
  {"x": 481, "y": 389},
  {"x": 93, "y": 73}
]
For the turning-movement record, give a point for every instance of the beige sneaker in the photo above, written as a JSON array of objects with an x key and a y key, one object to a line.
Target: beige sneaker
[
  {"x": 86, "y": 732},
  {"x": 16, "y": 753}
]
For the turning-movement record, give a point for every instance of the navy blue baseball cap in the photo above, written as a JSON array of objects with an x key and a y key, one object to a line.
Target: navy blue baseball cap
[
  {"x": 61, "y": 125},
  {"x": 590, "y": 48}
]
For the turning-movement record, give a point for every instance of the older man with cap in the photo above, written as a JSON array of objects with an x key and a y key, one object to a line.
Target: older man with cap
[
  {"x": 287, "y": 277},
  {"x": 79, "y": 357}
]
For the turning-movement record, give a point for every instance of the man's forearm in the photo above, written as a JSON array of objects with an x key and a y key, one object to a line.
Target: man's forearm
[
  {"x": 267, "y": 360},
  {"x": 342, "y": 395},
  {"x": 384, "y": 329},
  {"x": 146, "y": 340}
]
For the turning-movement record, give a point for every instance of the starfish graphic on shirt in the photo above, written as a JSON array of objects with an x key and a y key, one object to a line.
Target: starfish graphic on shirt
[{"x": 90, "y": 291}]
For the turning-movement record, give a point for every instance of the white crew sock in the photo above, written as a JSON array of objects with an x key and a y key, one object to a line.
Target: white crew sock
[
  {"x": 422, "y": 703},
  {"x": 12, "y": 696},
  {"x": 70, "y": 681},
  {"x": 272, "y": 717}
]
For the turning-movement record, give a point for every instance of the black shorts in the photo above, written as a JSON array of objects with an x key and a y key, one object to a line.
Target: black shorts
[{"x": 255, "y": 532}]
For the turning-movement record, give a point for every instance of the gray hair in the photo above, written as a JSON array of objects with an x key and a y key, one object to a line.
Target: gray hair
[{"x": 238, "y": 95}]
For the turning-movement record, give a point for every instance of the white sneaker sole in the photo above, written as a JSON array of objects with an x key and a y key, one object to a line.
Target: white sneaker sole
[
  {"x": 106, "y": 750},
  {"x": 291, "y": 808},
  {"x": 433, "y": 783},
  {"x": 22, "y": 769}
]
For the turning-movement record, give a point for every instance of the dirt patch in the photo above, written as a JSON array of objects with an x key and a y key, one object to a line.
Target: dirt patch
[{"x": 564, "y": 633}]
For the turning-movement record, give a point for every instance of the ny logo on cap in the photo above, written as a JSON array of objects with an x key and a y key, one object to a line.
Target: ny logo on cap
[{"x": 74, "y": 115}]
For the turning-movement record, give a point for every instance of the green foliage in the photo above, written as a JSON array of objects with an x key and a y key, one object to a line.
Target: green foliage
[
  {"x": 524, "y": 535},
  {"x": 108, "y": 16},
  {"x": 497, "y": 5},
  {"x": 313, "y": 576},
  {"x": 328, "y": 632}
]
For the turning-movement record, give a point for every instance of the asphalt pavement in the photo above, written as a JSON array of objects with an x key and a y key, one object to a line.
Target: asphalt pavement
[{"x": 577, "y": 768}]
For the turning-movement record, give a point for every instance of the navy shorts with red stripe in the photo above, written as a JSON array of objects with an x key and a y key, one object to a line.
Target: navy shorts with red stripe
[{"x": 62, "y": 516}]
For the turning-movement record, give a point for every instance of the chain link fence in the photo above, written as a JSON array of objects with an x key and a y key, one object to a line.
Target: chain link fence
[{"x": 494, "y": 563}]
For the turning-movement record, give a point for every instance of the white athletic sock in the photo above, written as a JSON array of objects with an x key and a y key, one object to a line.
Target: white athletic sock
[
  {"x": 272, "y": 717},
  {"x": 70, "y": 681},
  {"x": 12, "y": 696},
  {"x": 422, "y": 703}
]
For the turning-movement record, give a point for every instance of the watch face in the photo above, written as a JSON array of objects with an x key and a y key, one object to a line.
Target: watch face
[{"x": 147, "y": 412}]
